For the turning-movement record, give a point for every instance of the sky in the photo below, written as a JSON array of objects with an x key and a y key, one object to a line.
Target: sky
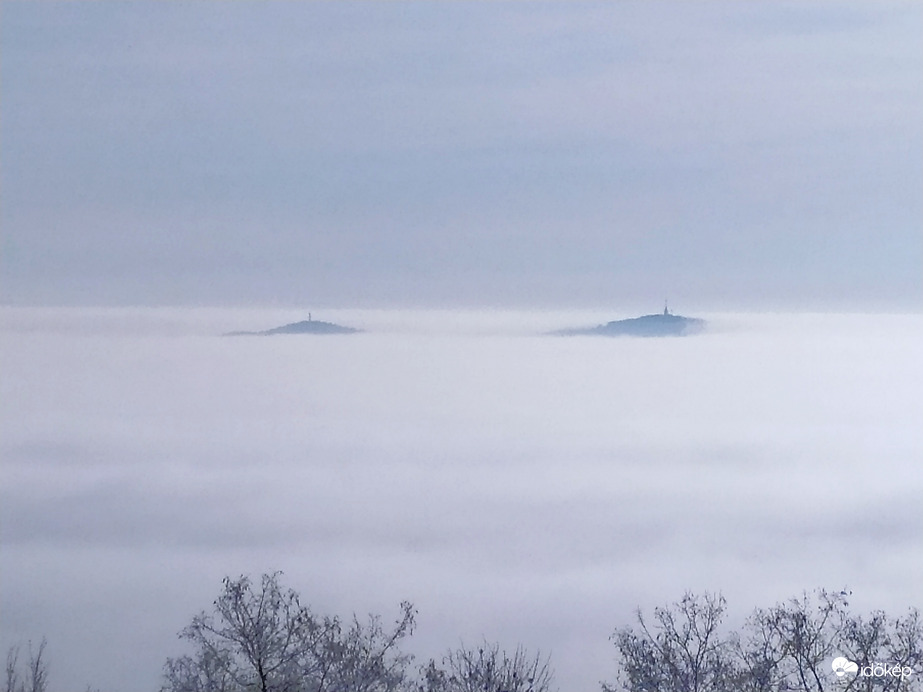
[{"x": 725, "y": 155}]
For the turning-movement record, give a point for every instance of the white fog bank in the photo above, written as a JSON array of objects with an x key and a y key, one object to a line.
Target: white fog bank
[{"x": 524, "y": 488}]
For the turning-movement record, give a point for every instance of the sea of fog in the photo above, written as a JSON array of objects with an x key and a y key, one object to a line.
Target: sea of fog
[{"x": 528, "y": 489}]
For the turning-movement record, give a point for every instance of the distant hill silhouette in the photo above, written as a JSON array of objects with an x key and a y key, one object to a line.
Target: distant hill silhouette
[
  {"x": 663, "y": 324},
  {"x": 304, "y": 327}
]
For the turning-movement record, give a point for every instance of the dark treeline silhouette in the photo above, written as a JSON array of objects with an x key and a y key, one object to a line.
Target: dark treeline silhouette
[
  {"x": 264, "y": 640},
  {"x": 809, "y": 643},
  {"x": 259, "y": 637}
]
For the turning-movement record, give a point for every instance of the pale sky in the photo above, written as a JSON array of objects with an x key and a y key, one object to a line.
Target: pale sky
[{"x": 738, "y": 155}]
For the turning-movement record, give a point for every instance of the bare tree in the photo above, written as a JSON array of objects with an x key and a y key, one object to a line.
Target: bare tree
[
  {"x": 363, "y": 657},
  {"x": 680, "y": 652},
  {"x": 897, "y": 642},
  {"x": 798, "y": 639},
  {"x": 265, "y": 640},
  {"x": 207, "y": 671},
  {"x": 36, "y": 678},
  {"x": 12, "y": 672},
  {"x": 487, "y": 669},
  {"x": 786, "y": 648}
]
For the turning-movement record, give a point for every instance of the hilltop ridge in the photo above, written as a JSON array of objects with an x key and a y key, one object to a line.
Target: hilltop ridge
[
  {"x": 658, "y": 324},
  {"x": 308, "y": 326}
]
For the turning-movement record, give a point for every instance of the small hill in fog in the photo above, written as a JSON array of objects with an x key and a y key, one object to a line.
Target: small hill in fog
[
  {"x": 308, "y": 326},
  {"x": 663, "y": 324}
]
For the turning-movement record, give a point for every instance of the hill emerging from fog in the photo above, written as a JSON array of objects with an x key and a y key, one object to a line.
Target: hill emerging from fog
[
  {"x": 662, "y": 324},
  {"x": 308, "y": 326}
]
